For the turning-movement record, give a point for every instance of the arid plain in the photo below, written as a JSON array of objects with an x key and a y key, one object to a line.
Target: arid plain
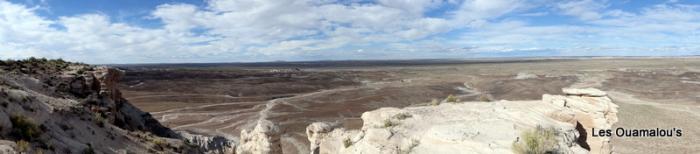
[{"x": 223, "y": 99}]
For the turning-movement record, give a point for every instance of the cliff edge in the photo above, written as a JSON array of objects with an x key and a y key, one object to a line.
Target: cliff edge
[{"x": 558, "y": 124}]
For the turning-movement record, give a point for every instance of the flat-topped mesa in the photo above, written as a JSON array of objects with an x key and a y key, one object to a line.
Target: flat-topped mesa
[{"x": 561, "y": 123}]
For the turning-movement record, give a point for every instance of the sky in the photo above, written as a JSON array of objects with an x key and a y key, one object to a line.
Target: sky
[{"x": 200, "y": 31}]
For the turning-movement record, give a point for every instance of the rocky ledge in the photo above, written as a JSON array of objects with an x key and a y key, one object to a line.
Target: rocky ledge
[
  {"x": 54, "y": 106},
  {"x": 558, "y": 124}
]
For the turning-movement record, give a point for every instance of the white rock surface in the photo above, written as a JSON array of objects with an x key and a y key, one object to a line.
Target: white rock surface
[
  {"x": 472, "y": 127},
  {"x": 263, "y": 139},
  {"x": 592, "y": 92},
  {"x": 525, "y": 75},
  {"x": 8, "y": 147}
]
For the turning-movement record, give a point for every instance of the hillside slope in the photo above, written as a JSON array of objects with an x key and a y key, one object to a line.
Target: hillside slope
[{"x": 52, "y": 106}]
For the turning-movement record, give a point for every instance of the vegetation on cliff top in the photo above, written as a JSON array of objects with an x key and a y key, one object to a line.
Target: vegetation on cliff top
[
  {"x": 537, "y": 141},
  {"x": 36, "y": 65}
]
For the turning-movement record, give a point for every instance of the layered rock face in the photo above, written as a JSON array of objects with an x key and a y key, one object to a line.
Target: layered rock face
[
  {"x": 98, "y": 90},
  {"x": 475, "y": 127}
]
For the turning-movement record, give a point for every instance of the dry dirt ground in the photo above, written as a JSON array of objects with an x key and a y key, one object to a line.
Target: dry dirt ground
[{"x": 223, "y": 99}]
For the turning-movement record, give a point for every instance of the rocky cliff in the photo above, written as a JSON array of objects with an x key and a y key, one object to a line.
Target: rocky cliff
[
  {"x": 53, "y": 106},
  {"x": 557, "y": 124}
]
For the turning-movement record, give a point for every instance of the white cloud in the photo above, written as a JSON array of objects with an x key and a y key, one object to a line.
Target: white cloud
[
  {"x": 247, "y": 30},
  {"x": 583, "y": 9}
]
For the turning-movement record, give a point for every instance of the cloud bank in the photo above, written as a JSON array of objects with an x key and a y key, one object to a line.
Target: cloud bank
[{"x": 266, "y": 30}]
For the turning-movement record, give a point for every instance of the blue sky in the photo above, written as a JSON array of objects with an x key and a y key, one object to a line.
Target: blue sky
[{"x": 172, "y": 31}]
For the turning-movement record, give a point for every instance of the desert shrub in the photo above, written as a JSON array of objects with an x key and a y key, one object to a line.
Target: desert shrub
[
  {"x": 23, "y": 128},
  {"x": 537, "y": 141},
  {"x": 484, "y": 98},
  {"x": 99, "y": 120},
  {"x": 80, "y": 71},
  {"x": 347, "y": 142},
  {"x": 452, "y": 99},
  {"x": 88, "y": 150},
  {"x": 159, "y": 144},
  {"x": 435, "y": 102},
  {"x": 22, "y": 146}
]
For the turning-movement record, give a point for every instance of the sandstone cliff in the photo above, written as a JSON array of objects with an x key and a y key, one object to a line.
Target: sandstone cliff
[
  {"x": 560, "y": 124},
  {"x": 52, "y": 106}
]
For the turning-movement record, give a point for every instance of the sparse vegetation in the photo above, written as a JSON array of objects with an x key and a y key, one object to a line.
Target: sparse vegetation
[
  {"x": 452, "y": 99},
  {"x": 159, "y": 144},
  {"x": 24, "y": 128},
  {"x": 484, "y": 98},
  {"x": 99, "y": 120},
  {"x": 34, "y": 65},
  {"x": 347, "y": 142},
  {"x": 22, "y": 146},
  {"x": 435, "y": 102},
  {"x": 88, "y": 150},
  {"x": 536, "y": 141}
]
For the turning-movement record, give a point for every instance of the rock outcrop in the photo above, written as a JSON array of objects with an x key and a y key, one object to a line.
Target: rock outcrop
[
  {"x": 210, "y": 144},
  {"x": 263, "y": 139},
  {"x": 587, "y": 109},
  {"x": 475, "y": 127},
  {"x": 53, "y": 106},
  {"x": 8, "y": 147}
]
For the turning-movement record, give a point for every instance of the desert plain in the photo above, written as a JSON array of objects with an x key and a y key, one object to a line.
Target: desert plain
[{"x": 222, "y": 99}]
